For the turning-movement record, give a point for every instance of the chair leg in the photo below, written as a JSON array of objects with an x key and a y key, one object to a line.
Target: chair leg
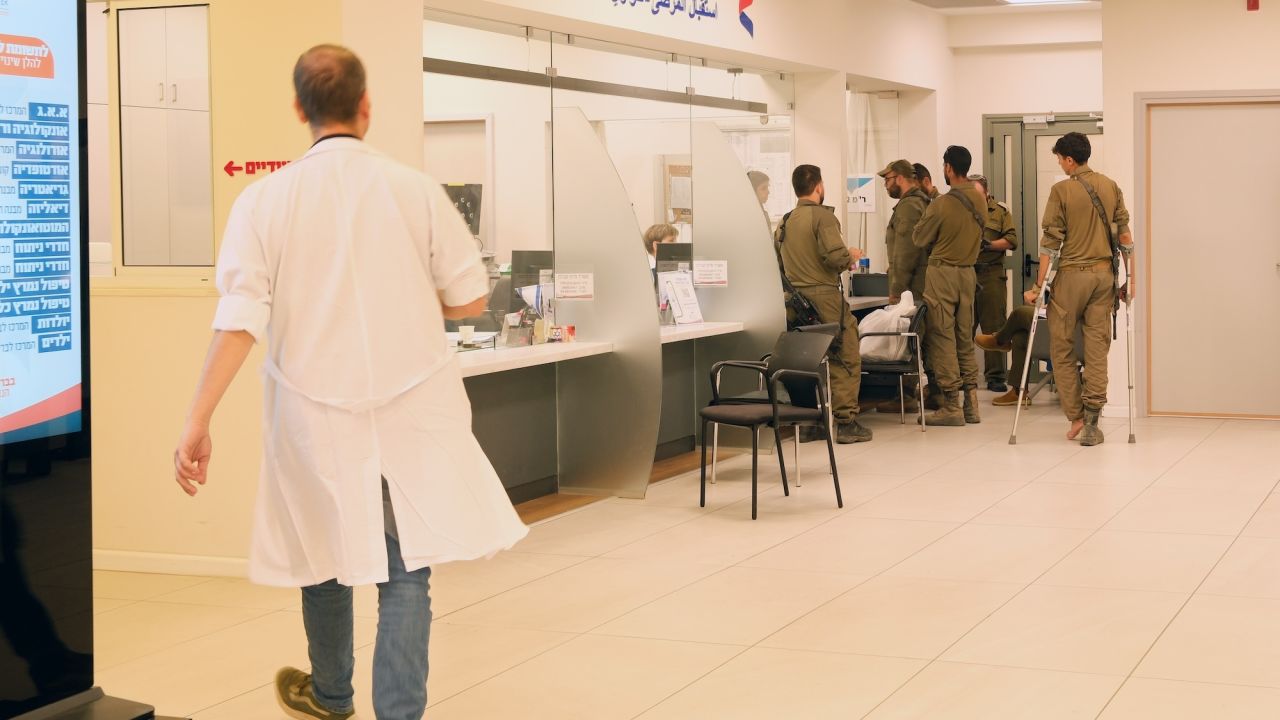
[
  {"x": 902, "y": 403},
  {"x": 715, "y": 449},
  {"x": 920, "y": 385},
  {"x": 835, "y": 475},
  {"x": 702, "y": 484},
  {"x": 755, "y": 461},
  {"x": 782, "y": 459},
  {"x": 795, "y": 444}
]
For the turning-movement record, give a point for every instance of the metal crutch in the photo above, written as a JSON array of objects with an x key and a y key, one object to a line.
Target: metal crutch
[
  {"x": 1031, "y": 339},
  {"x": 1127, "y": 255}
]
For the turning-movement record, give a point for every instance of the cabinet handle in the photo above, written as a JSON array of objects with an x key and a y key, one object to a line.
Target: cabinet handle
[
  {"x": 175, "y": 92},
  {"x": 161, "y": 92}
]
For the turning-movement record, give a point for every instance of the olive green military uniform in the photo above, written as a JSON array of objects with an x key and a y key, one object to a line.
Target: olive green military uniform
[
  {"x": 1084, "y": 290},
  {"x": 954, "y": 237},
  {"x": 813, "y": 256},
  {"x": 993, "y": 287},
  {"x": 907, "y": 263}
]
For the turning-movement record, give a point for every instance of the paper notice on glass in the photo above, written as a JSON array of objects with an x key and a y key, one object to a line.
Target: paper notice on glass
[
  {"x": 711, "y": 273},
  {"x": 676, "y": 289},
  {"x": 575, "y": 286},
  {"x": 681, "y": 192}
]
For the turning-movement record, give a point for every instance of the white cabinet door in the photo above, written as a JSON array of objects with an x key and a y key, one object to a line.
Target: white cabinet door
[
  {"x": 95, "y": 33},
  {"x": 142, "y": 57},
  {"x": 190, "y": 188},
  {"x": 187, "y": 57},
  {"x": 144, "y": 150}
]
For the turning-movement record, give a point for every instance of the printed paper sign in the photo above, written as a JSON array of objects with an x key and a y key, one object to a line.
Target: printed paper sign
[
  {"x": 711, "y": 273},
  {"x": 575, "y": 286},
  {"x": 861, "y": 191},
  {"x": 676, "y": 288}
]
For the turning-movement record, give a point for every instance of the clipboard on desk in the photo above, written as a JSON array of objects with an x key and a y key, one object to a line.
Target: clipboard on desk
[{"x": 675, "y": 290}]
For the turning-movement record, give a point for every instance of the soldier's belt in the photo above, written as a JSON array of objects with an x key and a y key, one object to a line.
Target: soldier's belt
[
  {"x": 939, "y": 263},
  {"x": 1088, "y": 267}
]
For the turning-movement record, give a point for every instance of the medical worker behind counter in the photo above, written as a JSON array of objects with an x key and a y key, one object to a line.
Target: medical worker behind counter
[{"x": 345, "y": 264}]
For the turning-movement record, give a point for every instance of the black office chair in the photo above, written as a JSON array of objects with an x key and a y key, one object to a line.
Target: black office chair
[
  {"x": 798, "y": 365},
  {"x": 912, "y": 365},
  {"x": 761, "y": 395}
]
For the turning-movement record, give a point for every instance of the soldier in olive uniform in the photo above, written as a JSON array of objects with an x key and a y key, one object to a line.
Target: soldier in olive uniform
[
  {"x": 993, "y": 288},
  {"x": 1084, "y": 292},
  {"x": 813, "y": 256},
  {"x": 926, "y": 181},
  {"x": 952, "y": 228},
  {"x": 907, "y": 263}
]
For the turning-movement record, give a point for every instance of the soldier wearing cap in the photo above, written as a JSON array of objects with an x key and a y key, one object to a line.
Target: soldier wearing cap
[
  {"x": 1079, "y": 218},
  {"x": 991, "y": 301},
  {"x": 907, "y": 263},
  {"x": 926, "y": 181},
  {"x": 952, "y": 229}
]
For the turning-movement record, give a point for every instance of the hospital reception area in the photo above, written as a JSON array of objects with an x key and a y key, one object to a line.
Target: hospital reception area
[{"x": 639, "y": 359}]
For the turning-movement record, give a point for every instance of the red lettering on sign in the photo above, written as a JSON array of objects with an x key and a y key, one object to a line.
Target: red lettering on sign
[{"x": 253, "y": 167}]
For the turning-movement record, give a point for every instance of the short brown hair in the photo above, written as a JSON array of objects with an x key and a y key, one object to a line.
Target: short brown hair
[
  {"x": 656, "y": 234},
  {"x": 805, "y": 179},
  {"x": 329, "y": 81}
]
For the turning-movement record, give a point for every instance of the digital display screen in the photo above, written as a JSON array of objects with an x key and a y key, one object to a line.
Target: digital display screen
[{"x": 40, "y": 225}]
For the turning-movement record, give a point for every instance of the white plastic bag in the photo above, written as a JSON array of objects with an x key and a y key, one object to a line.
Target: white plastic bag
[{"x": 894, "y": 318}]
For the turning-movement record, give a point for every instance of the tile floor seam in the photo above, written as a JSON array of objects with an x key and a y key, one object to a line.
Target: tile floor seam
[
  {"x": 692, "y": 682},
  {"x": 1019, "y": 593},
  {"x": 569, "y": 637},
  {"x": 98, "y": 668},
  {"x": 237, "y": 696},
  {"x": 581, "y": 560},
  {"x": 1186, "y": 602}
]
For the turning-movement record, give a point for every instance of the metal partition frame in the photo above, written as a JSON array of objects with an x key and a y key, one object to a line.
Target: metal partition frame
[
  {"x": 608, "y": 405},
  {"x": 730, "y": 225}
]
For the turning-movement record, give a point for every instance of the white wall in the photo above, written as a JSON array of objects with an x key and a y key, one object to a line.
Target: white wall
[{"x": 1197, "y": 46}]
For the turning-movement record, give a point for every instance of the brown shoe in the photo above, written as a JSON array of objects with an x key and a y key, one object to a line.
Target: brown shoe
[
  {"x": 909, "y": 405},
  {"x": 1010, "y": 399},
  {"x": 988, "y": 342}
]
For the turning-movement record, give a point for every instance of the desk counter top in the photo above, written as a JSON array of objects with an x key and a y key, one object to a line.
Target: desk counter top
[
  {"x": 693, "y": 331},
  {"x": 867, "y": 302},
  {"x": 493, "y": 360}
]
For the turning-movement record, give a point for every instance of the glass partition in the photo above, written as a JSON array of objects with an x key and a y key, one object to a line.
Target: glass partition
[{"x": 873, "y": 144}]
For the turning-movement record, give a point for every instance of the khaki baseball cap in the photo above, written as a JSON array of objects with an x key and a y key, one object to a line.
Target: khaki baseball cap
[{"x": 900, "y": 167}]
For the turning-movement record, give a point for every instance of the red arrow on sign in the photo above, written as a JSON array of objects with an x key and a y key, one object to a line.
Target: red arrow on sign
[{"x": 232, "y": 168}]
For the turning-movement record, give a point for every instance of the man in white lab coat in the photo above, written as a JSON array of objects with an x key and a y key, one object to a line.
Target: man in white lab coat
[{"x": 346, "y": 264}]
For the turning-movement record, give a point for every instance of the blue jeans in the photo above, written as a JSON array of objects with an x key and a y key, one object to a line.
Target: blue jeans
[{"x": 400, "y": 653}]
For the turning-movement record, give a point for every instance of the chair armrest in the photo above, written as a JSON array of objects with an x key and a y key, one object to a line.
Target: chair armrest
[
  {"x": 778, "y": 375},
  {"x": 719, "y": 367}
]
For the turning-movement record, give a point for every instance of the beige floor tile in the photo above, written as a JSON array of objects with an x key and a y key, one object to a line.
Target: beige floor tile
[
  {"x": 234, "y": 592},
  {"x": 1061, "y": 505},
  {"x": 737, "y": 606},
  {"x": 939, "y": 501},
  {"x": 1071, "y": 629},
  {"x": 766, "y": 683},
  {"x": 1191, "y": 511},
  {"x": 257, "y": 704},
  {"x": 584, "y": 596},
  {"x": 729, "y": 536},
  {"x": 461, "y": 584},
  {"x": 599, "y": 528},
  {"x": 1266, "y": 523},
  {"x": 139, "y": 586},
  {"x": 895, "y": 617},
  {"x": 682, "y": 492},
  {"x": 589, "y": 678},
  {"x": 978, "y": 692},
  {"x": 852, "y": 545},
  {"x": 1139, "y": 561},
  {"x": 991, "y": 553},
  {"x": 186, "y": 677},
  {"x": 1251, "y": 568},
  {"x": 101, "y": 605},
  {"x": 144, "y": 628},
  {"x": 1216, "y": 639},
  {"x": 1143, "y": 699}
]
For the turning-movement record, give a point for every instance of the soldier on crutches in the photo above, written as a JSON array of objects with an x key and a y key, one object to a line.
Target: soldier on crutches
[{"x": 1086, "y": 222}]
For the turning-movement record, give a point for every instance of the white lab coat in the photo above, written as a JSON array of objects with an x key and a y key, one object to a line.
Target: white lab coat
[{"x": 338, "y": 262}]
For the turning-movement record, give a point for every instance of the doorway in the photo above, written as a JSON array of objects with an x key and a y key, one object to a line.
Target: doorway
[{"x": 1019, "y": 162}]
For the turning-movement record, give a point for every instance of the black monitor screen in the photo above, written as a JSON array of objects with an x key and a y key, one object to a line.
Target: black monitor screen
[{"x": 673, "y": 256}]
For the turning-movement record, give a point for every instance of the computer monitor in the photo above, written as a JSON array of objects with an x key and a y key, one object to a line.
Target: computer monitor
[{"x": 674, "y": 256}]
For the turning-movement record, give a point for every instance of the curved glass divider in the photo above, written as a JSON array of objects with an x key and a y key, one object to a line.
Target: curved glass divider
[
  {"x": 608, "y": 405},
  {"x": 733, "y": 227}
]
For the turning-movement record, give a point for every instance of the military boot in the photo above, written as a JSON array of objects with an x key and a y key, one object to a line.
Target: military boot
[
  {"x": 1091, "y": 434},
  {"x": 971, "y": 415},
  {"x": 949, "y": 412},
  {"x": 932, "y": 397}
]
